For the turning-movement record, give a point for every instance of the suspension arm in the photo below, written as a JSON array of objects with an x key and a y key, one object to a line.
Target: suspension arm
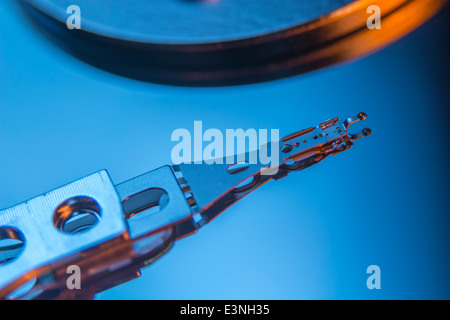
[{"x": 112, "y": 231}]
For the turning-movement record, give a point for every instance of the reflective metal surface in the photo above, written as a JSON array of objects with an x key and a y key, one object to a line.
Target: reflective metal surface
[
  {"x": 155, "y": 188},
  {"x": 58, "y": 229},
  {"x": 383, "y": 202},
  {"x": 214, "y": 189},
  {"x": 48, "y": 250},
  {"x": 188, "y": 21},
  {"x": 216, "y": 43}
]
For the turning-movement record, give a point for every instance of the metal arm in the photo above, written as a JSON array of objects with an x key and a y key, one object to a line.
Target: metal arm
[{"x": 111, "y": 232}]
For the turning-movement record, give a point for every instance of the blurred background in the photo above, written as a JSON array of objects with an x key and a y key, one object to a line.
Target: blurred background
[{"x": 311, "y": 235}]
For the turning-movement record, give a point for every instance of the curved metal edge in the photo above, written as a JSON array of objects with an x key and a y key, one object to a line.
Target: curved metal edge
[{"x": 337, "y": 37}]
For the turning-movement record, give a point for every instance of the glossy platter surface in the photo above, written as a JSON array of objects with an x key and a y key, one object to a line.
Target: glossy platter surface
[{"x": 224, "y": 42}]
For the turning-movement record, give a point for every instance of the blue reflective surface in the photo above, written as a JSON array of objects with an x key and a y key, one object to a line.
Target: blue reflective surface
[
  {"x": 311, "y": 235},
  {"x": 181, "y": 21}
]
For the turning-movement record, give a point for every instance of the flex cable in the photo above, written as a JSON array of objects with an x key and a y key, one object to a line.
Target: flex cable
[{"x": 112, "y": 231}]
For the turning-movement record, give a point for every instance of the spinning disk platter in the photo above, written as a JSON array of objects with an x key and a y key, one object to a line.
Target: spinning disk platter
[{"x": 224, "y": 42}]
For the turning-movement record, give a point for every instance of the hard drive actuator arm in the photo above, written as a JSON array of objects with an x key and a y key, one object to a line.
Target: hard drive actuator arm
[{"x": 109, "y": 232}]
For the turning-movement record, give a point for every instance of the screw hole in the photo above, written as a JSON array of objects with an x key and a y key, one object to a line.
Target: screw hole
[
  {"x": 12, "y": 243},
  {"x": 76, "y": 215}
]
